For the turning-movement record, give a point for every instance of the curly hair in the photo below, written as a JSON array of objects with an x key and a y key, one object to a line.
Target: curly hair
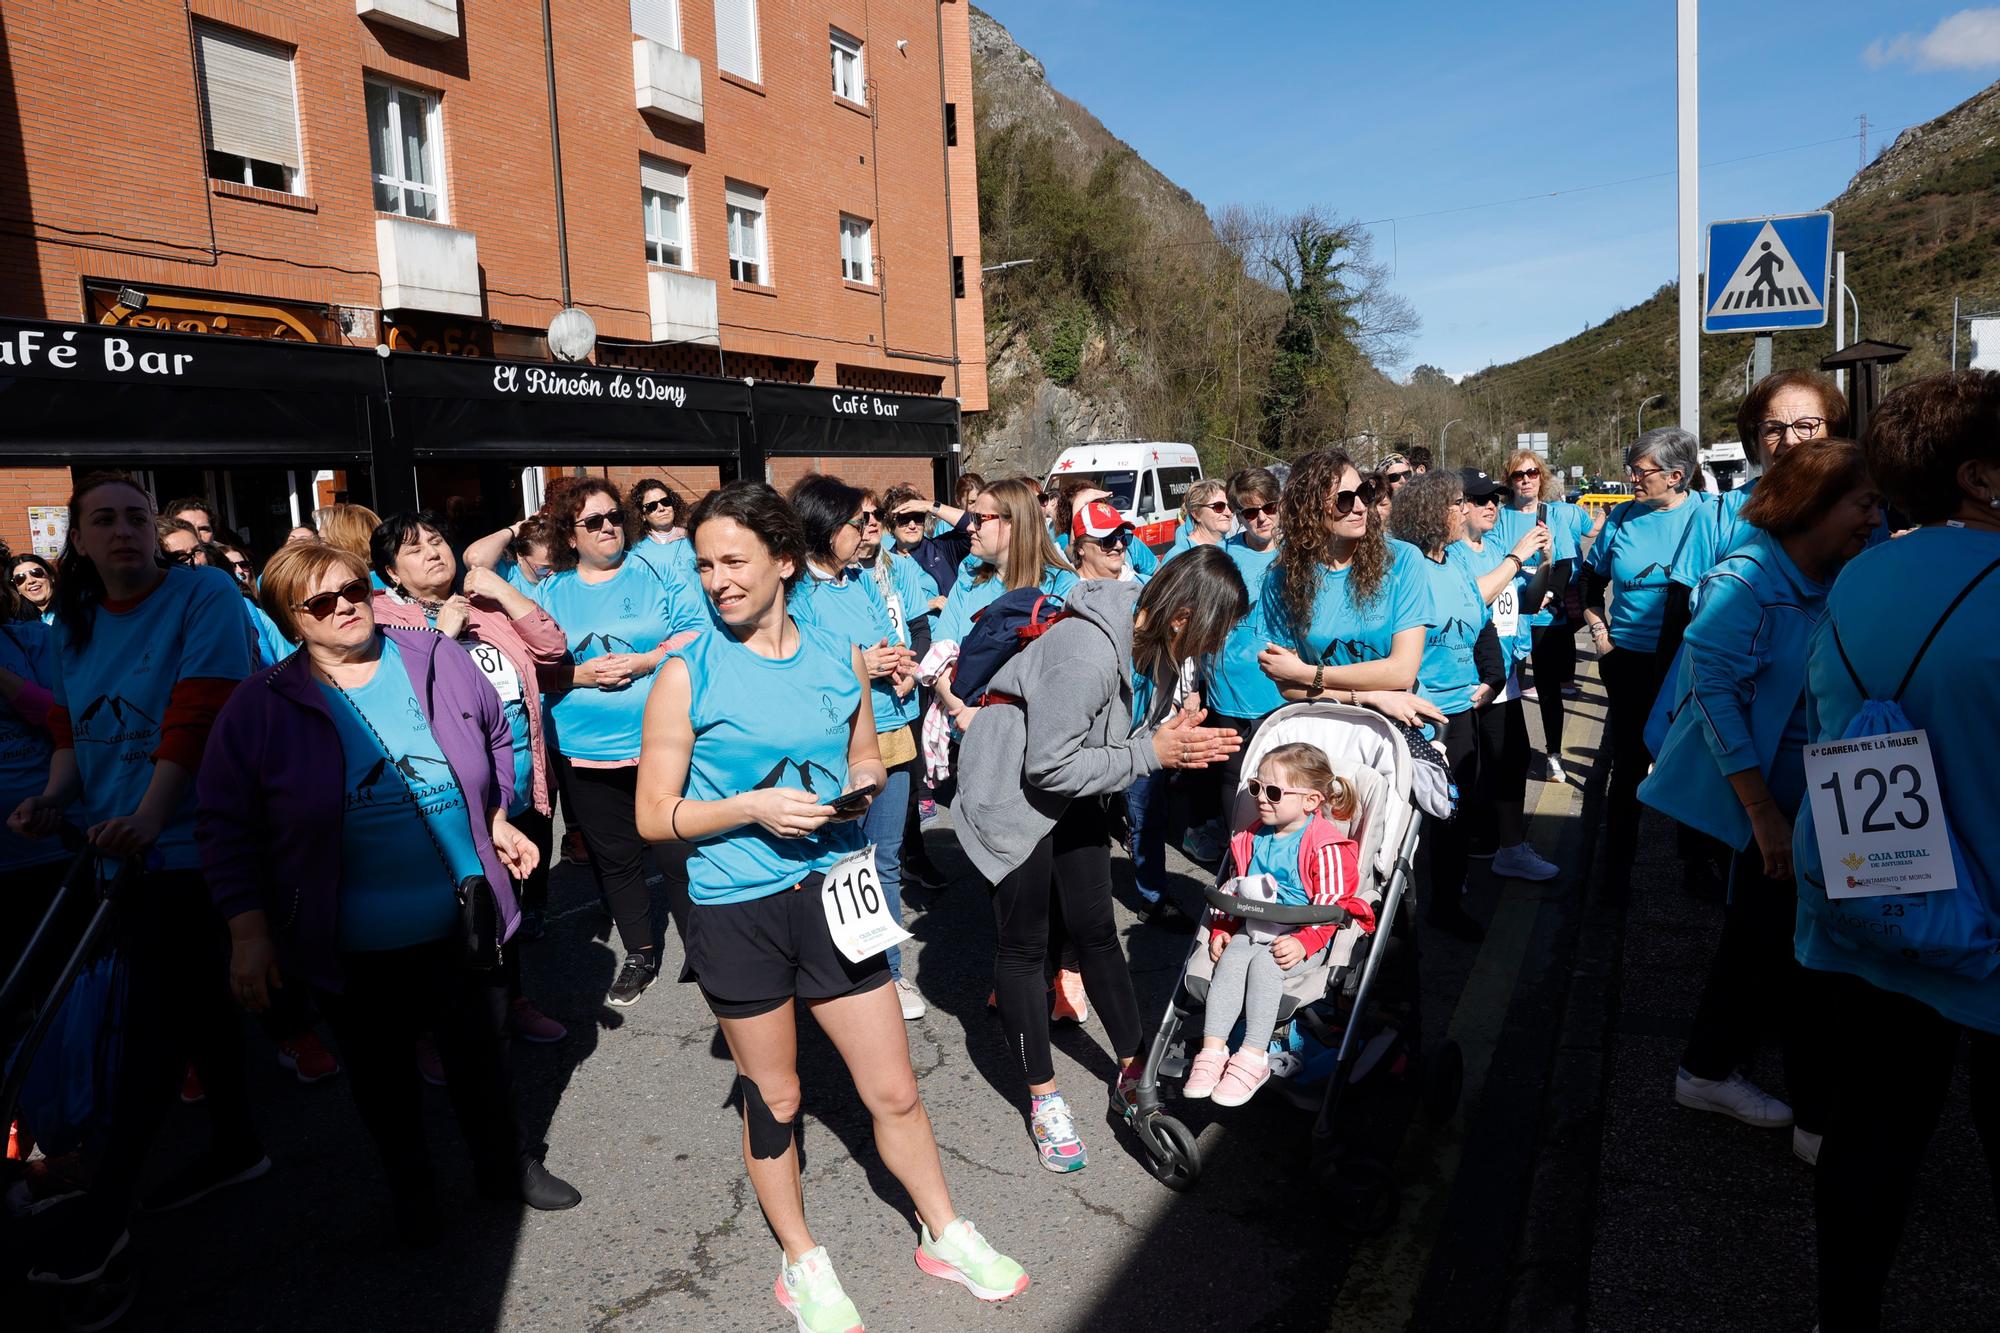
[
  {"x": 635, "y": 520},
  {"x": 1421, "y": 514},
  {"x": 1306, "y": 545},
  {"x": 563, "y": 511}
]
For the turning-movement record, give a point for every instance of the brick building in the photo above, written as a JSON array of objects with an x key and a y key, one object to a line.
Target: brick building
[{"x": 383, "y": 171}]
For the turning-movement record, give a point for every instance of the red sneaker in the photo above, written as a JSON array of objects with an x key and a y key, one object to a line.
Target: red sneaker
[
  {"x": 191, "y": 1091},
  {"x": 531, "y": 1024},
  {"x": 306, "y": 1056}
]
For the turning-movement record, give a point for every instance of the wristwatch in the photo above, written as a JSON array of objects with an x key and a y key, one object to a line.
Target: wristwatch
[{"x": 1319, "y": 678}]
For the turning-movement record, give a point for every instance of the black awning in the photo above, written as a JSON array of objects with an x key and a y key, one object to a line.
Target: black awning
[
  {"x": 459, "y": 408},
  {"x": 70, "y": 393},
  {"x": 800, "y": 419}
]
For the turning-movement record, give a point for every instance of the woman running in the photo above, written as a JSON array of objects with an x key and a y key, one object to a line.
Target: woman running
[{"x": 751, "y": 733}]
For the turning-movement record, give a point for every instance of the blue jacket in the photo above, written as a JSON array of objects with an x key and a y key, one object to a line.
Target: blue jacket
[{"x": 1742, "y": 675}]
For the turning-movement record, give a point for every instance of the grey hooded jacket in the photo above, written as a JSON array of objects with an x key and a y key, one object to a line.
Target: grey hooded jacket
[{"x": 1071, "y": 737}]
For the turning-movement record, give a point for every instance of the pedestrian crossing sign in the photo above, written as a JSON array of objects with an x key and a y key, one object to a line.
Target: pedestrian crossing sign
[{"x": 1767, "y": 274}]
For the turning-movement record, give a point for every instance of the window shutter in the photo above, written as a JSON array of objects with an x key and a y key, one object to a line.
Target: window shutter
[
  {"x": 658, "y": 21},
  {"x": 664, "y": 177},
  {"x": 743, "y": 196},
  {"x": 247, "y": 85},
  {"x": 736, "y": 37}
]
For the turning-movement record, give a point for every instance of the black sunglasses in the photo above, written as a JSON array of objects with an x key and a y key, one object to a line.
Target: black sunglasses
[
  {"x": 181, "y": 557},
  {"x": 1490, "y": 498},
  {"x": 1249, "y": 512},
  {"x": 1524, "y": 472},
  {"x": 906, "y": 516},
  {"x": 651, "y": 505},
  {"x": 596, "y": 522},
  {"x": 1117, "y": 541},
  {"x": 320, "y": 605},
  {"x": 1217, "y": 507},
  {"x": 1396, "y": 478},
  {"x": 1344, "y": 501},
  {"x": 25, "y": 575},
  {"x": 1043, "y": 497}
]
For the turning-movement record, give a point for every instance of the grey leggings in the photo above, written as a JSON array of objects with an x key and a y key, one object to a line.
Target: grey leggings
[{"x": 1247, "y": 981}]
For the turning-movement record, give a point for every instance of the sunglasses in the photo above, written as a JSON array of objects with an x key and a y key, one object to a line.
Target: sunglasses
[
  {"x": 1218, "y": 507},
  {"x": 1396, "y": 478},
  {"x": 1482, "y": 501},
  {"x": 1251, "y": 511},
  {"x": 1117, "y": 541},
  {"x": 871, "y": 516},
  {"x": 980, "y": 520},
  {"x": 1271, "y": 793},
  {"x": 860, "y": 521},
  {"x": 27, "y": 574},
  {"x": 181, "y": 557},
  {"x": 1344, "y": 501},
  {"x": 594, "y": 523},
  {"x": 905, "y": 517},
  {"x": 1524, "y": 473},
  {"x": 320, "y": 605},
  {"x": 651, "y": 505},
  {"x": 1043, "y": 497}
]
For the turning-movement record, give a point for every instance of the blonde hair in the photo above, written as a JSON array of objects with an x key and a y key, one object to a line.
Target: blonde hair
[
  {"x": 1520, "y": 456},
  {"x": 290, "y": 574},
  {"x": 1030, "y": 551},
  {"x": 1308, "y": 767},
  {"x": 1206, "y": 491},
  {"x": 349, "y": 527}
]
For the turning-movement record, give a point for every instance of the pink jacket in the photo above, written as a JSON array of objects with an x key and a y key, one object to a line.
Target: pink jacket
[
  {"x": 527, "y": 642},
  {"x": 1330, "y": 869}
]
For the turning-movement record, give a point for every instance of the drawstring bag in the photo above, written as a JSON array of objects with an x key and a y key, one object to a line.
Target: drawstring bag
[{"x": 1949, "y": 930}]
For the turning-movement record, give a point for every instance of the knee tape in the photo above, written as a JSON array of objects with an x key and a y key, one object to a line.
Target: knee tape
[{"x": 769, "y": 1136}]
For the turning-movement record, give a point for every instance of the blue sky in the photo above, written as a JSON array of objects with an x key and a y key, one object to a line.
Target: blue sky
[{"x": 1378, "y": 110}]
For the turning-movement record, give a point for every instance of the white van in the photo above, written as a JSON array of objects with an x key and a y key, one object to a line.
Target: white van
[{"x": 1148, "y": 480}]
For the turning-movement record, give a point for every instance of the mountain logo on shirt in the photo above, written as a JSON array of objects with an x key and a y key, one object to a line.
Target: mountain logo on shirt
[
  {"x": 1639, "y": 580},
  {"x": 412, "y": 768},
  {"x": 804, "y": 774},
  {"x": 110, "y": 719},
  {"x": 1453, "y": 629},
  {"x": 1357, "y": 650},
  {"x": 609, "y": 643}
]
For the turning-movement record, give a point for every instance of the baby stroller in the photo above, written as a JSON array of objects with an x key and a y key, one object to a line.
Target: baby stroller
[{"x": 1329, "y": 992}]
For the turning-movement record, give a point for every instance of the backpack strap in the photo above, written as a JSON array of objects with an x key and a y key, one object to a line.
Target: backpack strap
[{"x": 1922, "y": 648}]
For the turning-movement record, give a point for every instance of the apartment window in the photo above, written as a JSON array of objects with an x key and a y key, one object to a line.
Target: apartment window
[
  {"x": 857, "y": 250},
  {"x": 403, "y": 141},
  {"x": 251, "y": 107},
  {"x": 958, "y": 276},
  {"x": 663, "y": 192},
  {"x": 747, "y": 261},
  {"x": 658, "y": 21},
  {"x": 848, "y": 80},
  {"x": 736, "y": 38},
  {"x": 951, "y": 124}
]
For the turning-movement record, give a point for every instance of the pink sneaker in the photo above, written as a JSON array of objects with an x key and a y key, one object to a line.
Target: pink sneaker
[
  {"x": 1204, "y": 1073},
  {"x": 307, "y": 1057},
  {"x": 1068, "y": 1002},
  {"x": 531, "y": 1024},
  {"x": 1246, "y": 1072}
]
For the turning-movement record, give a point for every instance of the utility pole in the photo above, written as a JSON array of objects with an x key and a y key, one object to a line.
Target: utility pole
[
  {"x": 1688, "y": 97},
  {"x": 1863, "y": 118}
]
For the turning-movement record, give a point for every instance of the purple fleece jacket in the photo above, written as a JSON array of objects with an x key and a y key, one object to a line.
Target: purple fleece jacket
[{"x": 272, "y": 793}]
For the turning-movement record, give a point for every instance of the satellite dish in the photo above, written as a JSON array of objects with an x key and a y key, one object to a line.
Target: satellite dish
[{"x": 572, "y": 335}]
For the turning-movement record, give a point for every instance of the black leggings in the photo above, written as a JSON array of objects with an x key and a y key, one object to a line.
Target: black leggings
[
  {"x": 1554, "y": 660},
  {"x": 1502, "y": 729},
  {"x": 1071, "y": 863},
  {"x": 1887, "y": 1097},
  {"x": 603, "y": 801},
  {"x": 389, "y": 996},
  {"x": 1451, "y": 839},
  {"x": 1631, "y": 682},
  {"x": 1755, "y": 983}
]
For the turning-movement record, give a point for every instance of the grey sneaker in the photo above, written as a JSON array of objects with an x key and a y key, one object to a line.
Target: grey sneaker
[{"x": 633, "y": 978}]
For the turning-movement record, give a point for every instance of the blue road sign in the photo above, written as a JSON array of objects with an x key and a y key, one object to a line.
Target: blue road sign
[{"x": 1767, "y": 274}]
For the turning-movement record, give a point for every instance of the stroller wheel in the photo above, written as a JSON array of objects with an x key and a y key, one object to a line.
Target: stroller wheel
[
  {"x": 1171, "y": 1152},
  {"x": 1361, "y": 1194},
  {"x": 1444, "y": 1080}
]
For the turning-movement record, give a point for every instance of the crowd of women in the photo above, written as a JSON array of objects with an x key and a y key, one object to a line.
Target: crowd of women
[{"x": 339, "y": 775}]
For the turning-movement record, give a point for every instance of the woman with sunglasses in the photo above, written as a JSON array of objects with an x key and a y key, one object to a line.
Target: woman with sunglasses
[
  {"x": 906, "y": 527},
  {"x": 656, "y": 509},
  {"x": 345, "y": 798},
  {"x": 34, "y": 581},
  {"x": 1664, "y": 530},
  {"x": 752, "y": 730},
  {"x": 1099, "y": 539},
  {"x": 1550, "y": 642},
  {"x": 32, "y": 868},
  {"x": 1499, "y": 801},
  {"x": 619, "y": 615},
  {"x": 846, "y": 601},
  {"x": 511, "y": 641},
  {"x": 1206, "y": 519},
  {"x": 1010, "y": 549},
  {"x": 1235, "y": 692},
  {"x": 147, "y": 652},
  {"x": 1073, "y": 493}
]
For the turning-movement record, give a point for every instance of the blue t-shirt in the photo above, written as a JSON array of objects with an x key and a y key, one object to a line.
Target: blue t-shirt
[
  {"x": 116, "y": 690},
  {"x": 633, "y": 611},
  {"x": 910, "y": 591},
  {"x": 1233, "y": 684},
  {"x": 674, "y": 560},
  {"x": 1144, "y": 562},
  {"x": 1642, "y": 550},
  {"x": 396, "y": 889},
  {"x": 763, "y": 722},
  {"x": 969, "y": 597},
  {"x": 510, "y": 569},
  {"x": 1277, "y": 855},
  {"x": 25, "y": 650},
  {"x": 1447, "y": 675},
  {"x": 268, "y": 643},
  {"x": 1341, "y": 633},
  {"x": 1884, "y": 602},
  {"x": 852, "y": 608}
]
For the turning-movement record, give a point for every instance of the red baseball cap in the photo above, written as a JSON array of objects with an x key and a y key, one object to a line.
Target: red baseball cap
[{"x": 1097, "y": 520}]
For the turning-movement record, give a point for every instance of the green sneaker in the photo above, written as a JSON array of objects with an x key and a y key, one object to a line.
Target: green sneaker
[
  {"x": 811, "y": 1291},
  {"x": 962, "y": 1255}
]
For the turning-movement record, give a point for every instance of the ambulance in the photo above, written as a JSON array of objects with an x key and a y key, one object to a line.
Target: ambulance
[{"x": 1148, "y": 480}]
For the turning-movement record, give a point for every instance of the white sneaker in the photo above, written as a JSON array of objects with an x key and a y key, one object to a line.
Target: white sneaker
[
  {"x": 1805, "y": 1146},
  {"x": 1521, "y": 862},
  {"x": 1554, "y": 770},
  {"x": 906, "y": 995},
  {"x": 1735, "y": 1096}
]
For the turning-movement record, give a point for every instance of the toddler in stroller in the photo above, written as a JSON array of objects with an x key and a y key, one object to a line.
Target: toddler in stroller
[{"x": 1292, "y": 854}]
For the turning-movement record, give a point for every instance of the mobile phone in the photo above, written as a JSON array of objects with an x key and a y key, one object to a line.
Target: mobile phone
[{"x": 849, "y": 802}]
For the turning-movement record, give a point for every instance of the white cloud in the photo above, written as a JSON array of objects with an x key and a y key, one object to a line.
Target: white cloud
[{"x": 1969, "y": 39}]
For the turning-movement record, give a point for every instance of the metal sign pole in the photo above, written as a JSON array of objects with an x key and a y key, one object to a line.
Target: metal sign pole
[
  {"x": 1690, "y": 217},
  {"x": 1840, "y": 310}
]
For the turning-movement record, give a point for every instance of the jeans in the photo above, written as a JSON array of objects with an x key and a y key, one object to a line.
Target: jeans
[
  {"x": 1150, "y": 808},
  {"x": 883, "y": 826}
]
